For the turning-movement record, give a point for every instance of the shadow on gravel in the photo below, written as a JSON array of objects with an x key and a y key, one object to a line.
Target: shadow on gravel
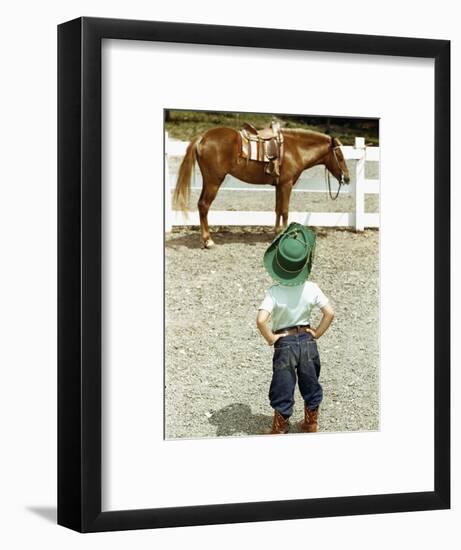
[
  {"x": 237, "y": 419},
  {"x": 193, "y": 240},
  {"x": 176, "y": 241}
]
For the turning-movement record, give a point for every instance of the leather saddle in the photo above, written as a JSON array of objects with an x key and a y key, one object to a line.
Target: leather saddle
[
  {"x": 265, "y": 133},
  {"x": 264, "y": 145}
]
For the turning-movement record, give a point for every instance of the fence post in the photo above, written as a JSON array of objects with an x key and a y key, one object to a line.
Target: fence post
[
  {"x": 359, "y": 196},
  {"x": 167, "y": 189}
]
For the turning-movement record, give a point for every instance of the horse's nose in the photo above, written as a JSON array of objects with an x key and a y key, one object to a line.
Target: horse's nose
[{"x": 347, "y": 179}]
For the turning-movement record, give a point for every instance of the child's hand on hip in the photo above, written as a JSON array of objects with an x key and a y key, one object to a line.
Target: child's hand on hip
[{"x": 275, "y": 337}]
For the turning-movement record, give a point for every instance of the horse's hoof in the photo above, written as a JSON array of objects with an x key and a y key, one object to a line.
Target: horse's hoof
[{"x": 209, "y": 243}]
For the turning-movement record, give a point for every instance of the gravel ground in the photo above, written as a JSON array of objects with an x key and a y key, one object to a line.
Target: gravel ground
[{"x": 218, "y": 367}]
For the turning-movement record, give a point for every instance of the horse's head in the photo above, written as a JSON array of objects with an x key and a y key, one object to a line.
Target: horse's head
[{"x": 336, "y": 163}]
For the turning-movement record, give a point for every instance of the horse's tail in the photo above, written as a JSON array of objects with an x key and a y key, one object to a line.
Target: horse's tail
[{"x": 182, "y": 191}]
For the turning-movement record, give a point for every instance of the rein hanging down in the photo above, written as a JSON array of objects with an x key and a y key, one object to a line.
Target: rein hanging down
[{"x": 327, "y": 177}]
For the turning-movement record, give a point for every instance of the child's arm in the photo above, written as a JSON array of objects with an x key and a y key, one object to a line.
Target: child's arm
[
  {"x": 325, "y": 322},
  {"x": 261, "y": 323}
]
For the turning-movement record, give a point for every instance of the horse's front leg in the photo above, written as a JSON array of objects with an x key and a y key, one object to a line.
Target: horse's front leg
[
  {"x": 282, "y": 201},
  {"x": 278, "y": 209}
]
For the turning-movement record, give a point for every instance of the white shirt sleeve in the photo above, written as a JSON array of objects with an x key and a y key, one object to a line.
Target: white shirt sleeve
[
  {"x": 320, "y": 299},
  {"x": 268, "y": 303}
]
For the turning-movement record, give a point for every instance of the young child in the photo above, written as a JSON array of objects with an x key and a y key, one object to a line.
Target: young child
[{"x": 288, "y": 260}]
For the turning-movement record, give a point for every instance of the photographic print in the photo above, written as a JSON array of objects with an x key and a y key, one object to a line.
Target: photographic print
[{"x": 271, "y": 274}]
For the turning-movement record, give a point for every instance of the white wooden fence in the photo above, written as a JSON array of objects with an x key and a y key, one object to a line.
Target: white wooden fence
[{"x": 358, "y": 218}]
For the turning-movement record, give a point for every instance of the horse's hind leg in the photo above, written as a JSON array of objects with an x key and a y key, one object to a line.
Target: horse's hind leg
[{"x": 209, "y": 190}]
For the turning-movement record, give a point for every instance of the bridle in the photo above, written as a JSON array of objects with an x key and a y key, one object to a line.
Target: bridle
[{"x": 327, "y": 174}]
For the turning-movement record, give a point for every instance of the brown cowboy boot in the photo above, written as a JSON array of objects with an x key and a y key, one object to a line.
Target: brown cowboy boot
[
  {"x": 279, "y": 424},
  {"x": 310, "y": 422}
]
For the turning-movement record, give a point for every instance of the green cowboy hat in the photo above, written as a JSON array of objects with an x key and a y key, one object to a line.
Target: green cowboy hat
[{"x": 289, "y": 257}]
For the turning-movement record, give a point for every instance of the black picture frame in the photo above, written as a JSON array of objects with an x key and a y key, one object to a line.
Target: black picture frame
[{"x": 79, "y": 274}]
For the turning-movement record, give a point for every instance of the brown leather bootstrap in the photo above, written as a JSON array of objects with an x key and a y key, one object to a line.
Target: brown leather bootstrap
[
  {"x": 279, "y": 424},
  {"x": 310, "y": 422}
]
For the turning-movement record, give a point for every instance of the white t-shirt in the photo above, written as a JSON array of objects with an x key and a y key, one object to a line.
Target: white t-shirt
[{"x": 292, "y": 305}]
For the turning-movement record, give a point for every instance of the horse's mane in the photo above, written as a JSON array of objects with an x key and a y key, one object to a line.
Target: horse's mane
[{"x": 305, "y": 133}]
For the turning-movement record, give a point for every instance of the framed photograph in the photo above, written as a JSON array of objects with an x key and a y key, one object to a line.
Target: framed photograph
[{"x": 254, "y": 274}]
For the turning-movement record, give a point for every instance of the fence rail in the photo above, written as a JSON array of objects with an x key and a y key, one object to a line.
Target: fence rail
[{"x": 357, "y": 219}]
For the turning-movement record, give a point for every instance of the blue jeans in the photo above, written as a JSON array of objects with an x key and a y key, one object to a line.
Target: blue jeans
[{"x": 295, "y": 356}]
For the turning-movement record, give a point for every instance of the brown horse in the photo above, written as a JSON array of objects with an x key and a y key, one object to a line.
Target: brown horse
[{"x": 218, "y": 153}]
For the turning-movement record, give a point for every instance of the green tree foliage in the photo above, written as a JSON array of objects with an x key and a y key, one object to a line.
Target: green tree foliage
[{"x": 184, "y": 125}]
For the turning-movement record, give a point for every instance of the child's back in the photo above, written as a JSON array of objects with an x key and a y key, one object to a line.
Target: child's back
[{"x": 292, "y": 305}]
